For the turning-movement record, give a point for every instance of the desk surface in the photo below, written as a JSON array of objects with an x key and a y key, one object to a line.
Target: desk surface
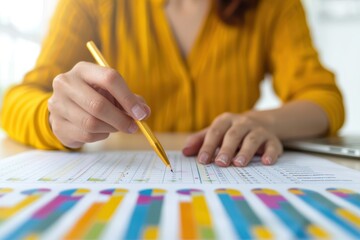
[{"x": 119, "y": 141}]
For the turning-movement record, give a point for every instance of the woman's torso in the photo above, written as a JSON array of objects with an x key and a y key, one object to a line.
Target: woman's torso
[{"x": 221, "y": 73}]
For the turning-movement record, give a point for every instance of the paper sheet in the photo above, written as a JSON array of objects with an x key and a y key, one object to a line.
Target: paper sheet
[
  {"x": 146, "y": 167},
  {"x": 131, "y": 195}
]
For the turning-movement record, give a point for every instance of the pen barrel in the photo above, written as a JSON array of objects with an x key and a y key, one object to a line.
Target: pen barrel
[{"x": 154, "y": 142}]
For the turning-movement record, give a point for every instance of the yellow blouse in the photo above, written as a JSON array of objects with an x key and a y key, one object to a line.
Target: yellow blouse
[{"x": 222, "y": 72}]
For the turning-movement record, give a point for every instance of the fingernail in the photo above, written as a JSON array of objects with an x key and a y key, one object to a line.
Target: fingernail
[
  {"x": 223, "y": 159},
  {"x": 133, "y": 128},
  {"x": 268, "y": 160},
  {"x": 138, "y": 112},
  {"x": 240, "y": 161},
  {"x": 203, "y": 158}
]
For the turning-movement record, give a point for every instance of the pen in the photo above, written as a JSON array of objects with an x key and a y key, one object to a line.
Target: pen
[{"x": 154, "y": 142}]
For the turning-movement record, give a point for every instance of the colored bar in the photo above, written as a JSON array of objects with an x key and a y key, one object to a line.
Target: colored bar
[
  {"x": 246, "y": 223},
  {"x": 195, "y": 218},
  {"x": 4, "y": 191},
  {"x": 145, "y": 220},
  {"x": 347, "y": 220},
  {"x": 95, "y": 220},
  {"x": 31, "y": 196},
  {"x": 300, "y": 226},
  {"x": 46, "y": 216},
  {"x": 347, "y": 195}
]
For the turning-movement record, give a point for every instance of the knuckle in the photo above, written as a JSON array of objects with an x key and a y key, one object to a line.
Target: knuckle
[
  {"x": 58, "y": 82},
  {"x": 245, "y": 121},
  {"x": 78, "y": 66},
  {"x": 215, "y": 132},
  {"x": 253, "y": 139},
  {"x": 260, "y": 131},
  {"x": 222, "y": 117},
  {"x": 226, "y": 115},
  {"x": 51, "y": 104},
  {"x": 110, "y": 76},
  {"x": 233, "y": 133},
  {"x": 90, "y": 124},
  {"x": 86, "y": 137},
  {"x": 96, "y": 106}
]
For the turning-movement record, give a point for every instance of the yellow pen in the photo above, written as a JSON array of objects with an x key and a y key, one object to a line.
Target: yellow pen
[{"x": 154, "y": 142}]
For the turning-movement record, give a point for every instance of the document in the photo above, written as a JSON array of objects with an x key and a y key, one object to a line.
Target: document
[
  {"x": 132, "y": 195},
  {"x": 146, "y": 167}
]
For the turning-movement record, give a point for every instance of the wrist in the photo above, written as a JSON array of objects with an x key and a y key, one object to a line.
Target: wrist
[{"x": 265, "y": 118}]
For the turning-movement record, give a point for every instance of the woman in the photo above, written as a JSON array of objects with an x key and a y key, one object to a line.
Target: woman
[{"x": 197, "y": 64}]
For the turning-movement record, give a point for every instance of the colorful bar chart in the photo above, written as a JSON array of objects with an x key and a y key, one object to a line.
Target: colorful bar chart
[
  {"x": 95, "y": 220},
  {"x": 47, "y": 215},
  {"x": 246, "y": 223},
  {"x": 31, "y": 196},
  {"x": 339, "y": 215},
  {"x": 4, "y": 191},
  {"x": 145, "y": 220},
  {"x": 347, "y": 195},
  {"x": 195, "y": 218},
  {"x": 300, "y": 226}
]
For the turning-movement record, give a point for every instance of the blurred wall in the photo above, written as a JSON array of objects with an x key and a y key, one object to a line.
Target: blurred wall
[{"x": 335, "y": 27}]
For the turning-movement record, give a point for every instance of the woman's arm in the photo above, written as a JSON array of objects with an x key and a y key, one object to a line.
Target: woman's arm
[
  {"x": 25, "y": 115},
  {"x": 297, "y": 119},
  {"x": 312, "y": 103},
  {"x": 236, "y": 138}
]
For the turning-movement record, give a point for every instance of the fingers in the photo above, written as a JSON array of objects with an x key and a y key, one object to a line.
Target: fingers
[
  {"x": 110, "y": 80},
  {"x": 193, "y": 143},
  {"x": 231, "y": 143},
  {"x": 234, "y": 139},
  {"x": 273, "y": 149},
  {"x": 81, "y": 119},
  {"x": 93, "y": 101},
  {"x": 96, "y": 105},
  {"x": 252, "y": 143},
  {"x": 78, "y": 137},
  {"x": 213, "y": 139}
]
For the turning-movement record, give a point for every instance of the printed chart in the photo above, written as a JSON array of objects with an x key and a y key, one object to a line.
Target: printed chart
[
  {"x": 146, "y": 167},
  {"x": 256, "y": 213},
  {"x": 131, "y": 195}
]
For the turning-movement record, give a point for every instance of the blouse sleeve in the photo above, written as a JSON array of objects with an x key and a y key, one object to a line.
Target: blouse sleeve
[
  {"x": 297, "y": 71},
  {"x": 25, "y": 113}
]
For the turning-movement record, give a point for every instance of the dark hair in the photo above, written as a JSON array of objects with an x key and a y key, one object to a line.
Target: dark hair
[{"x": 232, "y": 12}]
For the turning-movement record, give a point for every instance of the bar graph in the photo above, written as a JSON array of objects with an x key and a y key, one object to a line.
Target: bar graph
[
  {"x": 145, "y": 220},
  {"x": 195, "y": 217},
  {"x": 47, "y": 215},
  {"x": 344, "y": 218},
  {"x": 347, "y": 195},
  {"x": 177, "y": 212},
  {"x": 246, "y": 223},
  {"x": 300, "y": 226},
  {"x": 31, "y": 196},
  {"x": 96, "y": 219}
]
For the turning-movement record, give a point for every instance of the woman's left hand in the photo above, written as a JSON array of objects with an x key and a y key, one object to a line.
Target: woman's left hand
[{"x": 236, "y": 139}]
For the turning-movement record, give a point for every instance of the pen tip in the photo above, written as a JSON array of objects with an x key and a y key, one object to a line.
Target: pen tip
[{"x": 171, "y": 170}]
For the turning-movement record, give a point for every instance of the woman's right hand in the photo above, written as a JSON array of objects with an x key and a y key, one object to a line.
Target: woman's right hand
[{"x": 89, "y": 102}]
